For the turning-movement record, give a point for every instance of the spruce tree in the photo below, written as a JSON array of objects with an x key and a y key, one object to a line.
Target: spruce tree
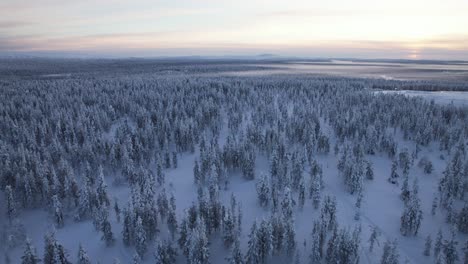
[
  {"x": 236, "y": 254},
  {"x": 462, "y": 221},
  {"x": 465, "y": 253},
  {"x": 438, "y": 244},
  {"x": 101, "y": 189},
  {"x": 373, "y": 238},
  {"x": 198, "y": 250},
  {"x": 287, "y": 204},
  {"x": 390, "y": 253},
  {"x": 57, "y": 210},
  {"x": 264, "y": 240},
  {"x": 229, "y": 232},
  {"x": 141, "y": 243},
  {"x": 369, "y": 171},
  {"x": 106, "y": 229},
  {"x": 165, "y": 253},
  {"x": 412, "y": 215},
  {"x": 253, "y": 254},
  {"x": 117, "y": 210},
  {"x": 263, "y": 190},
  {"x": 172, "y": 221},
  {"x": 83, "y": 256},
  {"x": 316, "y": 250},
  {"x": 450, "y": 250},
  {"x": 30, "y": 254},
  {"x": 128, "y": 228},
  {"x": 290, "y": 237},
  {"x": 174, "y": 160},
  {"x": 435, "y": 201},
  {"x": 11, "y": 210},
  {"x": 393, "y": 179},
  {"x": 428, "y": 246}
]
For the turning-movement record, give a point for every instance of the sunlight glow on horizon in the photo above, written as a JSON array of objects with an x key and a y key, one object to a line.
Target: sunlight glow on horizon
[{"x": 396, "y": 29}]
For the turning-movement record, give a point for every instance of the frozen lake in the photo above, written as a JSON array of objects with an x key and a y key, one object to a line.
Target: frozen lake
[
  {"x": 379, "y": 70},
  {"x": 440, "y": 97}
]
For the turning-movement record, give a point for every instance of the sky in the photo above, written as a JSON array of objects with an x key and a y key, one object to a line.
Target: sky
[{"x": 396, "y": 29}]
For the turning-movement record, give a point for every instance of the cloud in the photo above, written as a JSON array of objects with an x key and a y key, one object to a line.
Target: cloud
[
  {"x": 171, "y": 43},
  {"x": 13, "y": 24}
]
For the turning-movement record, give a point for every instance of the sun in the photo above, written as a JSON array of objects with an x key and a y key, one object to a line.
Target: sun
[{"x": 414, "y": 55}]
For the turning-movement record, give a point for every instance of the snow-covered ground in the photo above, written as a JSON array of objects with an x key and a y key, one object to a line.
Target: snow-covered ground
[{"x": 381, "y": 208}]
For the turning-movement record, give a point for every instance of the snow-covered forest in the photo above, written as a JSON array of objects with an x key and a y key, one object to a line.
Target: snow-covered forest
[{"x": 126, "y": 163}]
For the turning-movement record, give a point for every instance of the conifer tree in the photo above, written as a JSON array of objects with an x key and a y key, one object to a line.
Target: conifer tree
[
  {"x": 83, "y": 256},
  {"x": 57, "y": 210},
  {"x": 450, "y": 250},
  {"x": 263, "y": 190},
  {"x": 11, "y": 210},
  {"x": 165, "y": 253},
  {"x": 30, "y": 254},
  {"x": 373, "y": 238},
  {"x": 393, "y": 179},
  {"x": 106, "y": 229},
  {"x": 236, "y": 254},
  {"x": 264, "y": 240},
  {"x": 369, "y": 171},
  {"x": 253, "y": 255},
  {"x": 390, "y": 254},
  {"x": 438, "y": 244},
  {"x": 101, "y": 190},
  {"x": 428, "y": 246},
  {"x": 140, "y": 238}
]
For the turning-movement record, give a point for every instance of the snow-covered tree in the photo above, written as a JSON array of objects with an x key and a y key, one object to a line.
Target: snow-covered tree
[
  {"x": 412, "y": 215},
  {"x": 393, "y": 179},
  {"x": 235, "y": 256},
  {"x": 263, "y": 190},
  {"x": 106, "y": 230},
  {"x": 264, "y": 241},
  {"x": 229, "y": 231},
  {"x": 253, "y": 251},
  {"x": 30, "y": 254},
  {"x": 57, "y": 211},
  {"x": 465, "y": 252},
  {"x": 369, "y": 171},
  {"x": 165, "y": 253},
  {"x": 196, "y": 173},
  {"x": 172, "y": 221},
  {"x": 373, "y": 238},
  {"x": 450, "y": 250},
  {"x": 287, "y": 204},
  {"x": 328, "y": 212},
  {"x": 117, "y": 210},
  {"x": 54, "y": 253},
  {"x": 128, "y": 230},
  {"x": 301, "y": 194},
  {"x": 390, "y": 253},
  {"x": 428, "y": 246},
  {"x": 11, "y": 207},
  {"x": 82, "y": 256},
  {"x": 316, "y": 247},
  {"x": 290, "y": 238},
  {"x": 462, "y": 221},
  {"x": 101, "y": 189},
  {"x": 141, "y": 243},
  {"x": 438, "y": 244},
  {"x": 405, "y": 191},
  {"x": 174, "y": 160},
  {"x": 198, "y": 250},
  {"x": 435, "y": 202}
]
